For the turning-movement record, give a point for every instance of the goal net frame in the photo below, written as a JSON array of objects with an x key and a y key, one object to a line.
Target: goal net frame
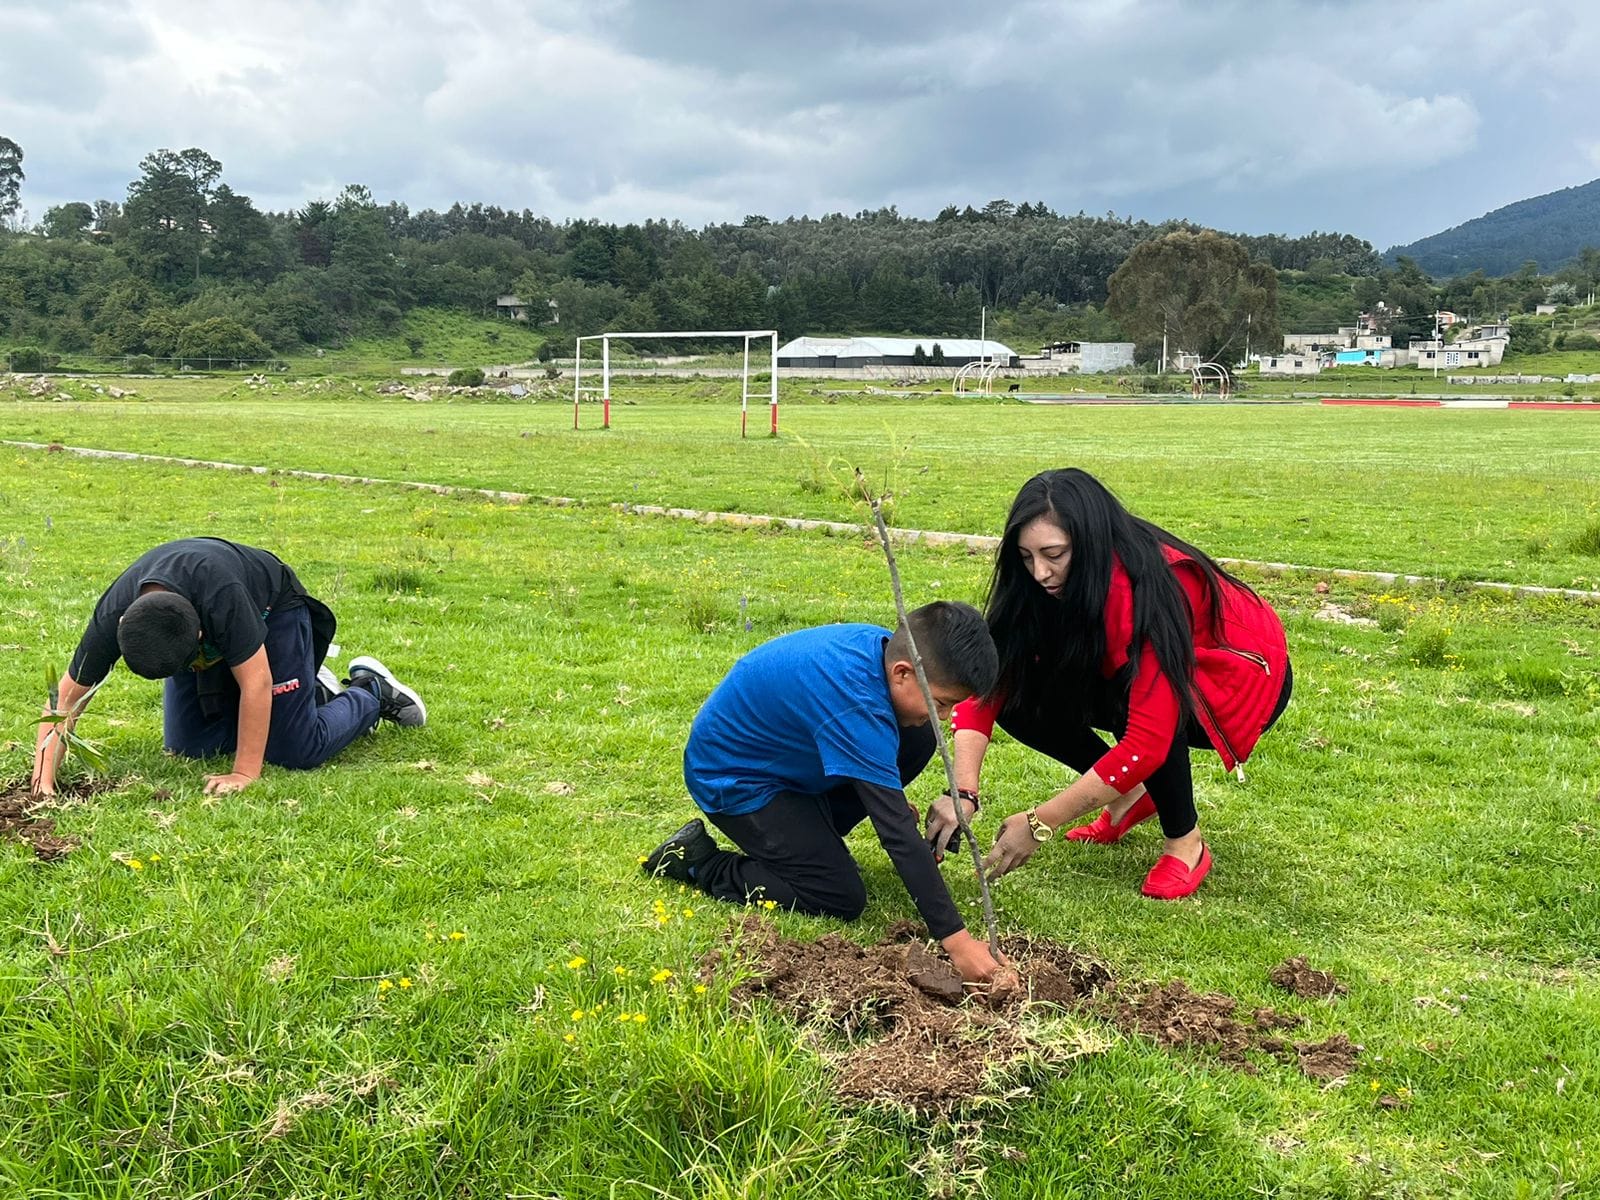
[{"x": 604, "y": 388}]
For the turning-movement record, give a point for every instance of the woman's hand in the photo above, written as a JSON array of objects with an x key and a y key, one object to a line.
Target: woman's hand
[{"x": 1013, "y": 846}]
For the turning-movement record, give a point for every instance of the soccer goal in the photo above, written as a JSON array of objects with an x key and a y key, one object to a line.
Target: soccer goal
[{"x": 603, "y": 388}]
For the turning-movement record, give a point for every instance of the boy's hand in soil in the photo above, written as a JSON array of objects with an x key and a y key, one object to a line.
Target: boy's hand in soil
[{"x": 971, "y": 957}]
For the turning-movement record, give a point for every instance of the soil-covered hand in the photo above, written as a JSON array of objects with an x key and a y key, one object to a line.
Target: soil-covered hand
[
  {"x": 942, "y": 827},
  {"x": 1013, "y": 846},
  {"x": 222, "y": 785}
]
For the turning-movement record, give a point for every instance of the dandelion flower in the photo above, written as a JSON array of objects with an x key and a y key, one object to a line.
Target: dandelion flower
[
  {"x": 661, "y": 976},
  {"x": 405, "y": 981},
  {"x": 384, "y": 985},
  {"x": 699, "y": 989},
  {"x": 570, "y": 1037},
  {"x": 458, "y": 936},
  {"x": 638, "y": 1018},
  {"x": 769, "y": 905},
  {"x": 577, "y": 1014},
  {"x": 155, "y": 858},
  {"x": 688, "y": 912},
  {"x": 135, "y": 865},
  {"x": 575, "y": 964},
  {"x": 619, "y": 971},
  {"x": 624, "y": 1016},
  {"x": 643, "y": 858}
]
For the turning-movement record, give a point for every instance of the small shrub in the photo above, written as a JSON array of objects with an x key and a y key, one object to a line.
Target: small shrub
[
  {"x": 466, "y": 377},
  {"x": 700, "y": 612},
  {"x": 1426, "y": 642},
  {"x": 140, "y": 364},
  {"x": 399, "y": 579},
  {"x": 1581, "y": 341},
  {"x": 545, "y": 352},
  {"x": 414, "y": 344},
  {"x": 1587, "y": 542},
  {"x": 29, "y": 360}
]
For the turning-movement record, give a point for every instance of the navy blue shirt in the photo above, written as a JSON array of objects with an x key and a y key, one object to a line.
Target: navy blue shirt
[{"x": 803, "y": 713}]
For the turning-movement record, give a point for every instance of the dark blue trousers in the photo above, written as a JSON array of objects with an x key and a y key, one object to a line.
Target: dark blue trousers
[{"x": 303, "y": 734}]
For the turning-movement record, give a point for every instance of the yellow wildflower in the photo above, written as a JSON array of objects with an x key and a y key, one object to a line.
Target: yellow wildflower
[
  {"x": 769, "y": 904},
  {"x": 155, "y": 858},
  {"x": 577, "y": 1014},
  {"x": 619, "y": 971},
  {"x": 458, "y": 936},
  {"x": 574, "y": 964},
  {"x": 688, "y": 912},
  {"x": 384, "y": 985},
  {"x": 661, "y": 976},
  {"x": 638, "y": 1018},
  {"x": 405, "y": 981},
  {"x": 699, "y": 989},
  {"x": 570, "y": 1037},
  {"x": 135, "y": 865}
]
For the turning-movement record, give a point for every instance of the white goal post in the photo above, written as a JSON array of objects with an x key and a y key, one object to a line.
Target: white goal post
[{"x": 604, "y": 389}]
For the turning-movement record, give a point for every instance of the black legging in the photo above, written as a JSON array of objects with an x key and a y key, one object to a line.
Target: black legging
[{"x": 1170, "y": 786}]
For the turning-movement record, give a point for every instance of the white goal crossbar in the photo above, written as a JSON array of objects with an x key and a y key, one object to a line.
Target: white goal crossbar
[{"x": 604, "y": 389}]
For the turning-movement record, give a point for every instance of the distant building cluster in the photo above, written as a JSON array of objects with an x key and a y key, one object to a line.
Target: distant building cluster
[{"x": 1361, "y": 345}]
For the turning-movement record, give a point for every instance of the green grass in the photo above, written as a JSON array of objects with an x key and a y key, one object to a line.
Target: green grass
[
  {"x": 449, "y": 339},
  {"x": 1421, "y": 823},
  {"x": 1471, "y": 494}
]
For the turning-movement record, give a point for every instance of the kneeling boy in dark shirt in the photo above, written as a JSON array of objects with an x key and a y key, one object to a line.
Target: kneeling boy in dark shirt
[
  {"x": 807, "y": 736},
  {"x": 240, "y": 645}
]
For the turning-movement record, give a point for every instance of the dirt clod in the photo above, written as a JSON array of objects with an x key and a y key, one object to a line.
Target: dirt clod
[
  {"x": 1297, "y": 976},
  {"x": 1330, "y": 1059}
]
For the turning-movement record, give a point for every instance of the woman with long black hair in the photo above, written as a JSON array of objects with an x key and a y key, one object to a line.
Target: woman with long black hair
[{"x": 1105, "y": 621}]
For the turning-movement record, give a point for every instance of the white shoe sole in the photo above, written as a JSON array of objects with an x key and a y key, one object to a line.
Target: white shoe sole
[{"x": 367, "y": 663}]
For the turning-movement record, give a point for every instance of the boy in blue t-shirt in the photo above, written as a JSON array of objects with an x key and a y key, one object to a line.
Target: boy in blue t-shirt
[{"x": 807, "y": 736}]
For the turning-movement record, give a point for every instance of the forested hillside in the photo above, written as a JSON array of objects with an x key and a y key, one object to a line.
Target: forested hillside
[
  {"x": 184, "y": 265},
  {"x": 1550, "y": 231}
]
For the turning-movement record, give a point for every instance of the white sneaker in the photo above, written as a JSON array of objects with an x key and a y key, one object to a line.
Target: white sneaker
[{"x": 396, "y": 702}]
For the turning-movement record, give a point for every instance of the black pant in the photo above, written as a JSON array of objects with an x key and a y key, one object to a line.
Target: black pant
[
  {"x": 793, "y": 846},
  {"x": 1170, "y": 786},
  {"x": 302, "y": 733}
]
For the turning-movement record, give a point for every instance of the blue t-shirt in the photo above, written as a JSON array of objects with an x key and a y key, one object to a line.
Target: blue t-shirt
[{"x": 802, "y": 713}]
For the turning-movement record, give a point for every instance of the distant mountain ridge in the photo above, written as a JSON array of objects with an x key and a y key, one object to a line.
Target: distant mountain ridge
[{"x": 1550, "y": 229}]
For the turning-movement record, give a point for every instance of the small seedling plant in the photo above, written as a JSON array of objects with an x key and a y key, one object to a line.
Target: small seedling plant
[{"x": 62, "y": 738}]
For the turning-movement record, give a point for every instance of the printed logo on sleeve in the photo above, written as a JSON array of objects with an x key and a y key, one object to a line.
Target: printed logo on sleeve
[{"x": 287, "y": 686}]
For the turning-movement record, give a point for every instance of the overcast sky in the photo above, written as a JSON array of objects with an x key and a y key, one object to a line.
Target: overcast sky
[{"x": 1389, "y": 121}]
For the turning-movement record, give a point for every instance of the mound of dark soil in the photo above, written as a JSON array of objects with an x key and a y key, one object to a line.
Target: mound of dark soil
[
  {"x": 20, "y": 818},
  {"x": 1297, "y": 976},
  {"x": 904, "y": 1030}
]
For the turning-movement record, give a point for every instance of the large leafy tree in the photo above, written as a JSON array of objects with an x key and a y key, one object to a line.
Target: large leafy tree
[
  {"x": 166, "y": 213},
  {"x": 1202, "y": 291},
  {"x": 11, "y": 178}
]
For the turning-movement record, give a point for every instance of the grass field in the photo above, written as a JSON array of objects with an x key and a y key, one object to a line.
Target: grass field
[
  {"x": 1474, "y": 494},
  {"x": 275, "y": 1001}
]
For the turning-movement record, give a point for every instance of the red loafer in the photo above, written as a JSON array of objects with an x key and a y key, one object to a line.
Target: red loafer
[
  {"x": 1104, "y": 831},
  {"x": 1173, "y": 879}
]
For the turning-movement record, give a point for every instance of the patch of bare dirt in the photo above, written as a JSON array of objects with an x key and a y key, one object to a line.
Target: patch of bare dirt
[
  {"x": 1297, "y": 976},
  {"x": 903, "y": 1029},
  {"x": 21, "y": 817}
]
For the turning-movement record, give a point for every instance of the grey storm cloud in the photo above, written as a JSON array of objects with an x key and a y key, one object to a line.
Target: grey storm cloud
[{"x": 1385, "y": 121}]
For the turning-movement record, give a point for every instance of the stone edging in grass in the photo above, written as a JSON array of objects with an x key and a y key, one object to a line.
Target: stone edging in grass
[{"x": 971, "y": 542}]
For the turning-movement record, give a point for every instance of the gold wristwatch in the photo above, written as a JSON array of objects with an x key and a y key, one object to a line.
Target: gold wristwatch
[{"x": 1041, "y": 832}]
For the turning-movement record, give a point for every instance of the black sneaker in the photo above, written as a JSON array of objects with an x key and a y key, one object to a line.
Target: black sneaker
[
  {"x": 396, "y": 702},
  {"x": 680, "y": 853}
]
